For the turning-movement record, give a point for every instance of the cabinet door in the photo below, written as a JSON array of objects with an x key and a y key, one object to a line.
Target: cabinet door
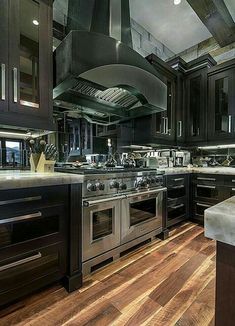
[
  {"x": 196, "y": 90},
  {"x": 30, "y": 51},
  {"x": 4, "y": 55},
  {"x": 164, "y": 122},
  {"x": 221, "y": 105}
]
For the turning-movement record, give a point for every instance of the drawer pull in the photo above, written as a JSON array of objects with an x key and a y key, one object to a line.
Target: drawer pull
[
  {"x": 178, "y": 179},
  {"x": 203, "y": 205},
  {"x": 20, "y": 218},
  {"x": 20, "y": 262},
  {"x": 15, "y": 85},
  {"x": 208, "y": 187},
  {"x": 207, "y": 179},
  {"x": 19, "y": 200},
  {"x": 233, "y": 189},
  {"x": 178, "y": 206},
  {"x": 233, "y": 180},
  {"x": 176, "y": 187},
  {"x": 3, "y": 77}
]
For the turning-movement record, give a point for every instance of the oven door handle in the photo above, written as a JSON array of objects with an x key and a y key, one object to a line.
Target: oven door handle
[
  {"x": 88, "y": 203},
  {"x": 148, "y": 192}
]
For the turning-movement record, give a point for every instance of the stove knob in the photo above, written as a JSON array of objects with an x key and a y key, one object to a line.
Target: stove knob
[
  {"x": 122, "y": 186},
  {"x": 114, "y": 185},
  {"x": 148, "y": 181},
  {"x": 153, "y": 180},
  {"x": 91, "y": 187},
  {"x": 100, "y": 186}
]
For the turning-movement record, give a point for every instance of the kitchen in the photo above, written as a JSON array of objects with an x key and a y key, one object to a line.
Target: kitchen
[{"x": 117, "y": 157}]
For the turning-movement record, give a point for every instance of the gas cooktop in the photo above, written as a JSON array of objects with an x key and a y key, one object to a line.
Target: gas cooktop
[{"x": 103, "y": 170}]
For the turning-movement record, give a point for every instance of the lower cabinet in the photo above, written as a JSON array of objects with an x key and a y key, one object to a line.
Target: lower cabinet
[
  {"x": 38, "y": 229},
  {"x": 177, "y": 198}
]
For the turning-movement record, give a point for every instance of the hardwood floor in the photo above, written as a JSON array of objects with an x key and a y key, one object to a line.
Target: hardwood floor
[{"x": 166, "y": 283}]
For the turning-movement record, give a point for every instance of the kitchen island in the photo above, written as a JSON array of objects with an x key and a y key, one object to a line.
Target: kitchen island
[
  {"x": 40, "y": 232},
  {"x": 220, "y": 226}
]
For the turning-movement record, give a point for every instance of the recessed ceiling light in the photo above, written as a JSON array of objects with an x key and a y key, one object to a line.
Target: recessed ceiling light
[
  {"x": 35, "y": 22},
  {"x": 177, "y": 2}
]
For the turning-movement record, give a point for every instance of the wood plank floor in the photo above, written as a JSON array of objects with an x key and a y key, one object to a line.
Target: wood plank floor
[{"x": 166, "y": 283}]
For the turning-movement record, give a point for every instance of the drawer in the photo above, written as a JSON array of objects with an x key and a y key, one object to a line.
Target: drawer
[
  {"x": 229, "y": 180},
  {"x": 176, "y": 180},
  {"x": 176, "y": 211},
  {"x": 199, "y": 209},
  {"x": 20, "y": 199},
  {"x": 175, "y": 192},
  {"x": 20, "y": 275},
  {"x": 208, "y": 179},
  {"x": 31, "y": 225}
]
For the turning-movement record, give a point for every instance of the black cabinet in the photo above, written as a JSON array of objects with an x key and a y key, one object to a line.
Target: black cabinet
[
  {"x": 40, "y": 239},
  {"x": 221, "y": 99},
  {"x": 196, "y": 99},
  {"x": 177, "y": 198},
  {"x": 26, "y": 63}
]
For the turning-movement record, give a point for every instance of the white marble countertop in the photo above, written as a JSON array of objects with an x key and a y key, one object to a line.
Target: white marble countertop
[
  {"x": 25, "y": 179},
  {"x": 209, "y": 170},
  {"x": 220, "y": 222}
]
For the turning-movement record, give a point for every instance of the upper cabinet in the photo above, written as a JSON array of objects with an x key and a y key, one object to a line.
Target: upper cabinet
[
  {"x": 26, "y": 63},
  {"x": 196, "y": 98},
  {"x": 221, "y": 100}
]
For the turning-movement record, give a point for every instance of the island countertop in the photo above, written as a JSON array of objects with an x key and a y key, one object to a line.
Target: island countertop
[
  {"x": 220, "y": 222},
  {"x": 206, "y": 170},
  {"x": 10, "y": 179}
]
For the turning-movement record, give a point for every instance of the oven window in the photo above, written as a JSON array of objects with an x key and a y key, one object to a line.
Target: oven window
[
  {"x": 13, "y": 233},
  {"x": 142, "y": 211},
  {"x": 102, "y": 223}
]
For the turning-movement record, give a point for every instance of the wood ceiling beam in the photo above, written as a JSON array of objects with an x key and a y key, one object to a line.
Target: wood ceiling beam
[{"x": 215, "y": 16}]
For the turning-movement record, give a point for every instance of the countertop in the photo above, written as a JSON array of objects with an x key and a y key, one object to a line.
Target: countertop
[
  {"x": 220, "y": 222},
  {"x": 210, "y": 170},
  {"x": 25, "y": 179}
]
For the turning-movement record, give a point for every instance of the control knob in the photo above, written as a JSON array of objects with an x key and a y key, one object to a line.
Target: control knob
[
  {"x": 91, "y": 187},
  {"x": 122, "y": 186},
  {"x": 114, "y": 184},
  {"x": 100, "y": 186}
]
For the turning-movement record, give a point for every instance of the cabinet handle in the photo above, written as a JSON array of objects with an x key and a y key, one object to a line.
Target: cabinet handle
[
  {"x": 203, "y": 205},
  {"x": 20, "y": 218},
  {"x": 20, "y": 262},
  {"x": 180, "y": 124},
  {"x": 167, "y": 130},
  {"x": 15, "y": 84},
  {"x": 230, "y": 124},
  {"x": 206, "y": 179},
  {"x": 204, "y": 186},
  {"x": 3, "y": 79},
  {"x": 19, "y": 200},
  {"x": 176, "y": 187},
  {"x": 164, "y": 125},
  {"x": 178, "y": 206},
  {"x": 233, "y": 189},
  {"x": 178, "y": 179}
]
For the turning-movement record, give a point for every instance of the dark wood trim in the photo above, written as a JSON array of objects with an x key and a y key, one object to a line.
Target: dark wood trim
[
  {"x": 215, "y": 16},
  {"x": 225, "y": 285}
]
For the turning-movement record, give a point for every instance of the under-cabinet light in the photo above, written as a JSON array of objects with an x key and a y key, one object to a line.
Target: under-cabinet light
[
  {"x": 217, "y": 146},
  {"x": 177, "y": 2}
]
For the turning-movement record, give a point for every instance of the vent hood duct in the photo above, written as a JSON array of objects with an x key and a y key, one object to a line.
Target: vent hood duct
[{"x": 101, "y": 74}]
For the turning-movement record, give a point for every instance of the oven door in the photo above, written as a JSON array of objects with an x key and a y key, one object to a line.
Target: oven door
[
  {"x": 101, "y": 226},
  {"x": 141, "y": 214}
]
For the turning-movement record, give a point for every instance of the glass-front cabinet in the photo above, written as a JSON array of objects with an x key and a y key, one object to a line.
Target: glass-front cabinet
[
  {"x": 26, "y": 75},
  {"x": 196, "y": 87},
  {"x": 221, "y": 123}
]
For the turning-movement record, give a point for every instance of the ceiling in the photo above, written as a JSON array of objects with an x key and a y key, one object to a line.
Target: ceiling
[
  {"x": 230, "y": 4},
  {"x": 176, "y": 26}
]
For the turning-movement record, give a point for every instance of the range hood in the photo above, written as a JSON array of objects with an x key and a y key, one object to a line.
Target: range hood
[{"x": 101, "y": 76}]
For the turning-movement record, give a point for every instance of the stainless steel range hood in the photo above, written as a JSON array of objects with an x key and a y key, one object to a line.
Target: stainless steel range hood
[{"x": 96, "y": 73}]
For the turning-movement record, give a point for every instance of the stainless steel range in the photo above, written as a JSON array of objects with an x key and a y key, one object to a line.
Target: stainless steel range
[{"x": 121, "y": 208}]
